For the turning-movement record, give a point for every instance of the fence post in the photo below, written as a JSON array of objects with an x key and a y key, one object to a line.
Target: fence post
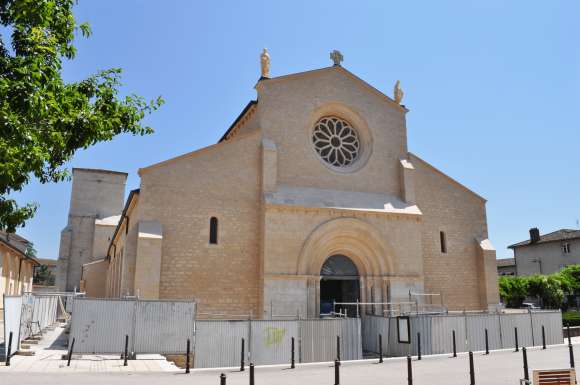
[
  {"x": 454, "y": 345},
  {"x": 222, "y": 379},
  {"x": 292, "y": 362},
  {"x": 336, "y": 372},
  {"x": 338, "y": 348},
  {"x": 380, "y": 348},
  {"x": 543, "y": 338},
  {"x": 242, "y": 363},
  {"x": 486, "y": 343},
  {"x": 525, "y": 357},
  {"x": 70, "y": 352},
  {"x": 126, "y": 350},
  {"x": 516, "y": 335},
  {"x": 409, "y": 371},
  {"x": 9, "y": 353},
  {"x": 187, "y": 356},
  {"x": 251, "y": 373},
  {"x": 419, "y": 346},
  {"x": 471, "y": 369}
]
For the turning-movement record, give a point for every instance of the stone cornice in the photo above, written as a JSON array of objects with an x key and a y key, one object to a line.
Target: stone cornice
[{"x": 342, "y": 211}]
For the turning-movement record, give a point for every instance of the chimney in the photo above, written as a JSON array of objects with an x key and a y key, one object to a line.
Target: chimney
[{"x": 534, "y": 235}]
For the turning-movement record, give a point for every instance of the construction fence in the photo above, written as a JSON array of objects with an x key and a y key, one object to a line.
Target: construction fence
[
  {"x": 219, "y": 342},
  {"x": 153, "y": 326},
  {"x": 436, "y": 332},
  {"x": 27, "y": 315}
]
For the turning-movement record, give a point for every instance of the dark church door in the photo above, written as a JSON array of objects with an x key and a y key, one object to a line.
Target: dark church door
[{"x": 339, "y": 283}]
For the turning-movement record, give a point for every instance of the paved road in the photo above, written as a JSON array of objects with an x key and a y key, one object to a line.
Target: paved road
[{"x": 499, "y": 368}]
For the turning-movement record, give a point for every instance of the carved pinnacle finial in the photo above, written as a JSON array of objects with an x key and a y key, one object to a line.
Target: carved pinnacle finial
[
  {"x": 265, "y": 63},
  {"x": 336, "y": 57},
  {"x": 398, "y": 92}
]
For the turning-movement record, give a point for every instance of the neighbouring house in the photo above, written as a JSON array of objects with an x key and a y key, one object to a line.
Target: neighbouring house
[
  {"x": 548, "y": 253},
  {"x": 44, "y": 279},
  {"x": 16, "y": 267},
  {"x": 311, "y": 196},
  {"x": 506, "y": 266}
]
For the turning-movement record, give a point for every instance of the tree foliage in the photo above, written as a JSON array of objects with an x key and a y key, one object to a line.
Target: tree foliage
[
  {"x": 43, "y": 276},
  {"x": 549, "y": 289},
  {"x": 43, "y": 120}
]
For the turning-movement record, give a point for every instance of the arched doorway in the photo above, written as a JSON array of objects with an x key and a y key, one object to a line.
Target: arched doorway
[{"x": 339, "y": 282}]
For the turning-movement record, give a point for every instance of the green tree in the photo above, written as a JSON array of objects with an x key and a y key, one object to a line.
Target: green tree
[
  {"x": 43, "y": 276},
  {"x": 43, "y": 120},
  {"x": 513, "y": 290}
]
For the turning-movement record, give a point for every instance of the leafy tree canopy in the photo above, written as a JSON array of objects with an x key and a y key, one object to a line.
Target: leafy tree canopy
[{"x": 44, "y": 120}]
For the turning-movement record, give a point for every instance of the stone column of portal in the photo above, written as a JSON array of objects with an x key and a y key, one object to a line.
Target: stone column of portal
[
  {"x": 385, "y": 294},
  {"x": 363, "y": 294}
]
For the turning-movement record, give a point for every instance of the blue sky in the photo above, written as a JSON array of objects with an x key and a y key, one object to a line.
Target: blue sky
[{"x": 493, "y": 89}]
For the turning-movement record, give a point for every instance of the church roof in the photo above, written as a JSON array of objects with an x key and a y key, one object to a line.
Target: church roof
[
  {"x": 240, "y": 117},
  {"x": 334, "y": 68}
]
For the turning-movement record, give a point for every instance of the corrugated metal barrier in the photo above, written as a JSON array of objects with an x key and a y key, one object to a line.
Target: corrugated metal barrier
[
  {"x": 218, "y": 342},
  {"x": 28, "y": 314},
  {"x": 437, "y": 330},
  {"x": 12, "y": 313},
  {"x": 100, "y": 325}
]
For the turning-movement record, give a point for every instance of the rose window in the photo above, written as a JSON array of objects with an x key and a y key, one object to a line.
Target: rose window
[{"x": 335, "y": 141}]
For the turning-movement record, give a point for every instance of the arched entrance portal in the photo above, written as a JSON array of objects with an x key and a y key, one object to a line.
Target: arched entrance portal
[{"x": 339, "y": 282}]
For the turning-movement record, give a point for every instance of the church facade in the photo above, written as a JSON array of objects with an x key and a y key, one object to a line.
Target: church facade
[{"x": 310, "y": 197}]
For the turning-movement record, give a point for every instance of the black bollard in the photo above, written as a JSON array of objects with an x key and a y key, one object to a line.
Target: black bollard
[
  {"x": 525, "y": 357},
  {"x": 292, "y": 363},
  {"x": 516, "y": 336},
  {"x": 454, "y": 345},
  {"x": 380, "y": 348},
  {"x": 222, "y": 379},
  {"x": 543, "y": 338},
  {"x": 409, "y": 371},
  {"x": 10, "y": 350},
  {"x": 187, "y": 350},
  {"x": 251, "y": 373},
  {"x": 242, "y": 363},
  {"x": 126, "y": 350},
  {"x": 571, "y": 349},
  {"x": 471, "y": 369},
  {"x": 486, "y": 343},
  {"x": 336, "y": 372},
  {"x": 569, "y": 335},
  {"x": 338, "y": 348},
  {"x": 70, "y": 352},
  {"x": 419, "y": 346}
]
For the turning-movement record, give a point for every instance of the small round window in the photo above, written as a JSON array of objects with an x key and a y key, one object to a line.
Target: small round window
[{"x": 335, "y": 141}]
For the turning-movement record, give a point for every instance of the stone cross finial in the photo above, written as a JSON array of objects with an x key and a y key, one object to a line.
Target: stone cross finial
[
  {"x": 336, "y": 57},
  {"x": 398, "y": 92},
  {"x": 265, "y": 63}
]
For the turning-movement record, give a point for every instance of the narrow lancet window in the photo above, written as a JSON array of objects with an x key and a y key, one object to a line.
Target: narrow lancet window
[{"x": 213, "y": 231}]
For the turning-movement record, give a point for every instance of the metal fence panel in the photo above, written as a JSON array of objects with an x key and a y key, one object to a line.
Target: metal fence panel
[
  {"x": 442, "y": 334},
  {"x": 318, "y": 339},
  {"x": 477, "y": 324},
  {"x": 12, "y": 313},
  {"x": 100, "y": 325},
  {"x": 271, "y": 341},
  {"x": 508, "y": 324},
  {"x": 552, "y": 322},
  {"x": 372, "y": 326},
  {"x": 163, "y": 326},
  {"x": 219, "y": 343}
]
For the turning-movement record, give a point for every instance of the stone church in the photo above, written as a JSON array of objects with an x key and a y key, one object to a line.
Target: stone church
[{"x": 311, "y": 196}]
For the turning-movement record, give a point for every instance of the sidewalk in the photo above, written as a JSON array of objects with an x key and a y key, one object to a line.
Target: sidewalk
[{"x": 49, "y": 352}]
